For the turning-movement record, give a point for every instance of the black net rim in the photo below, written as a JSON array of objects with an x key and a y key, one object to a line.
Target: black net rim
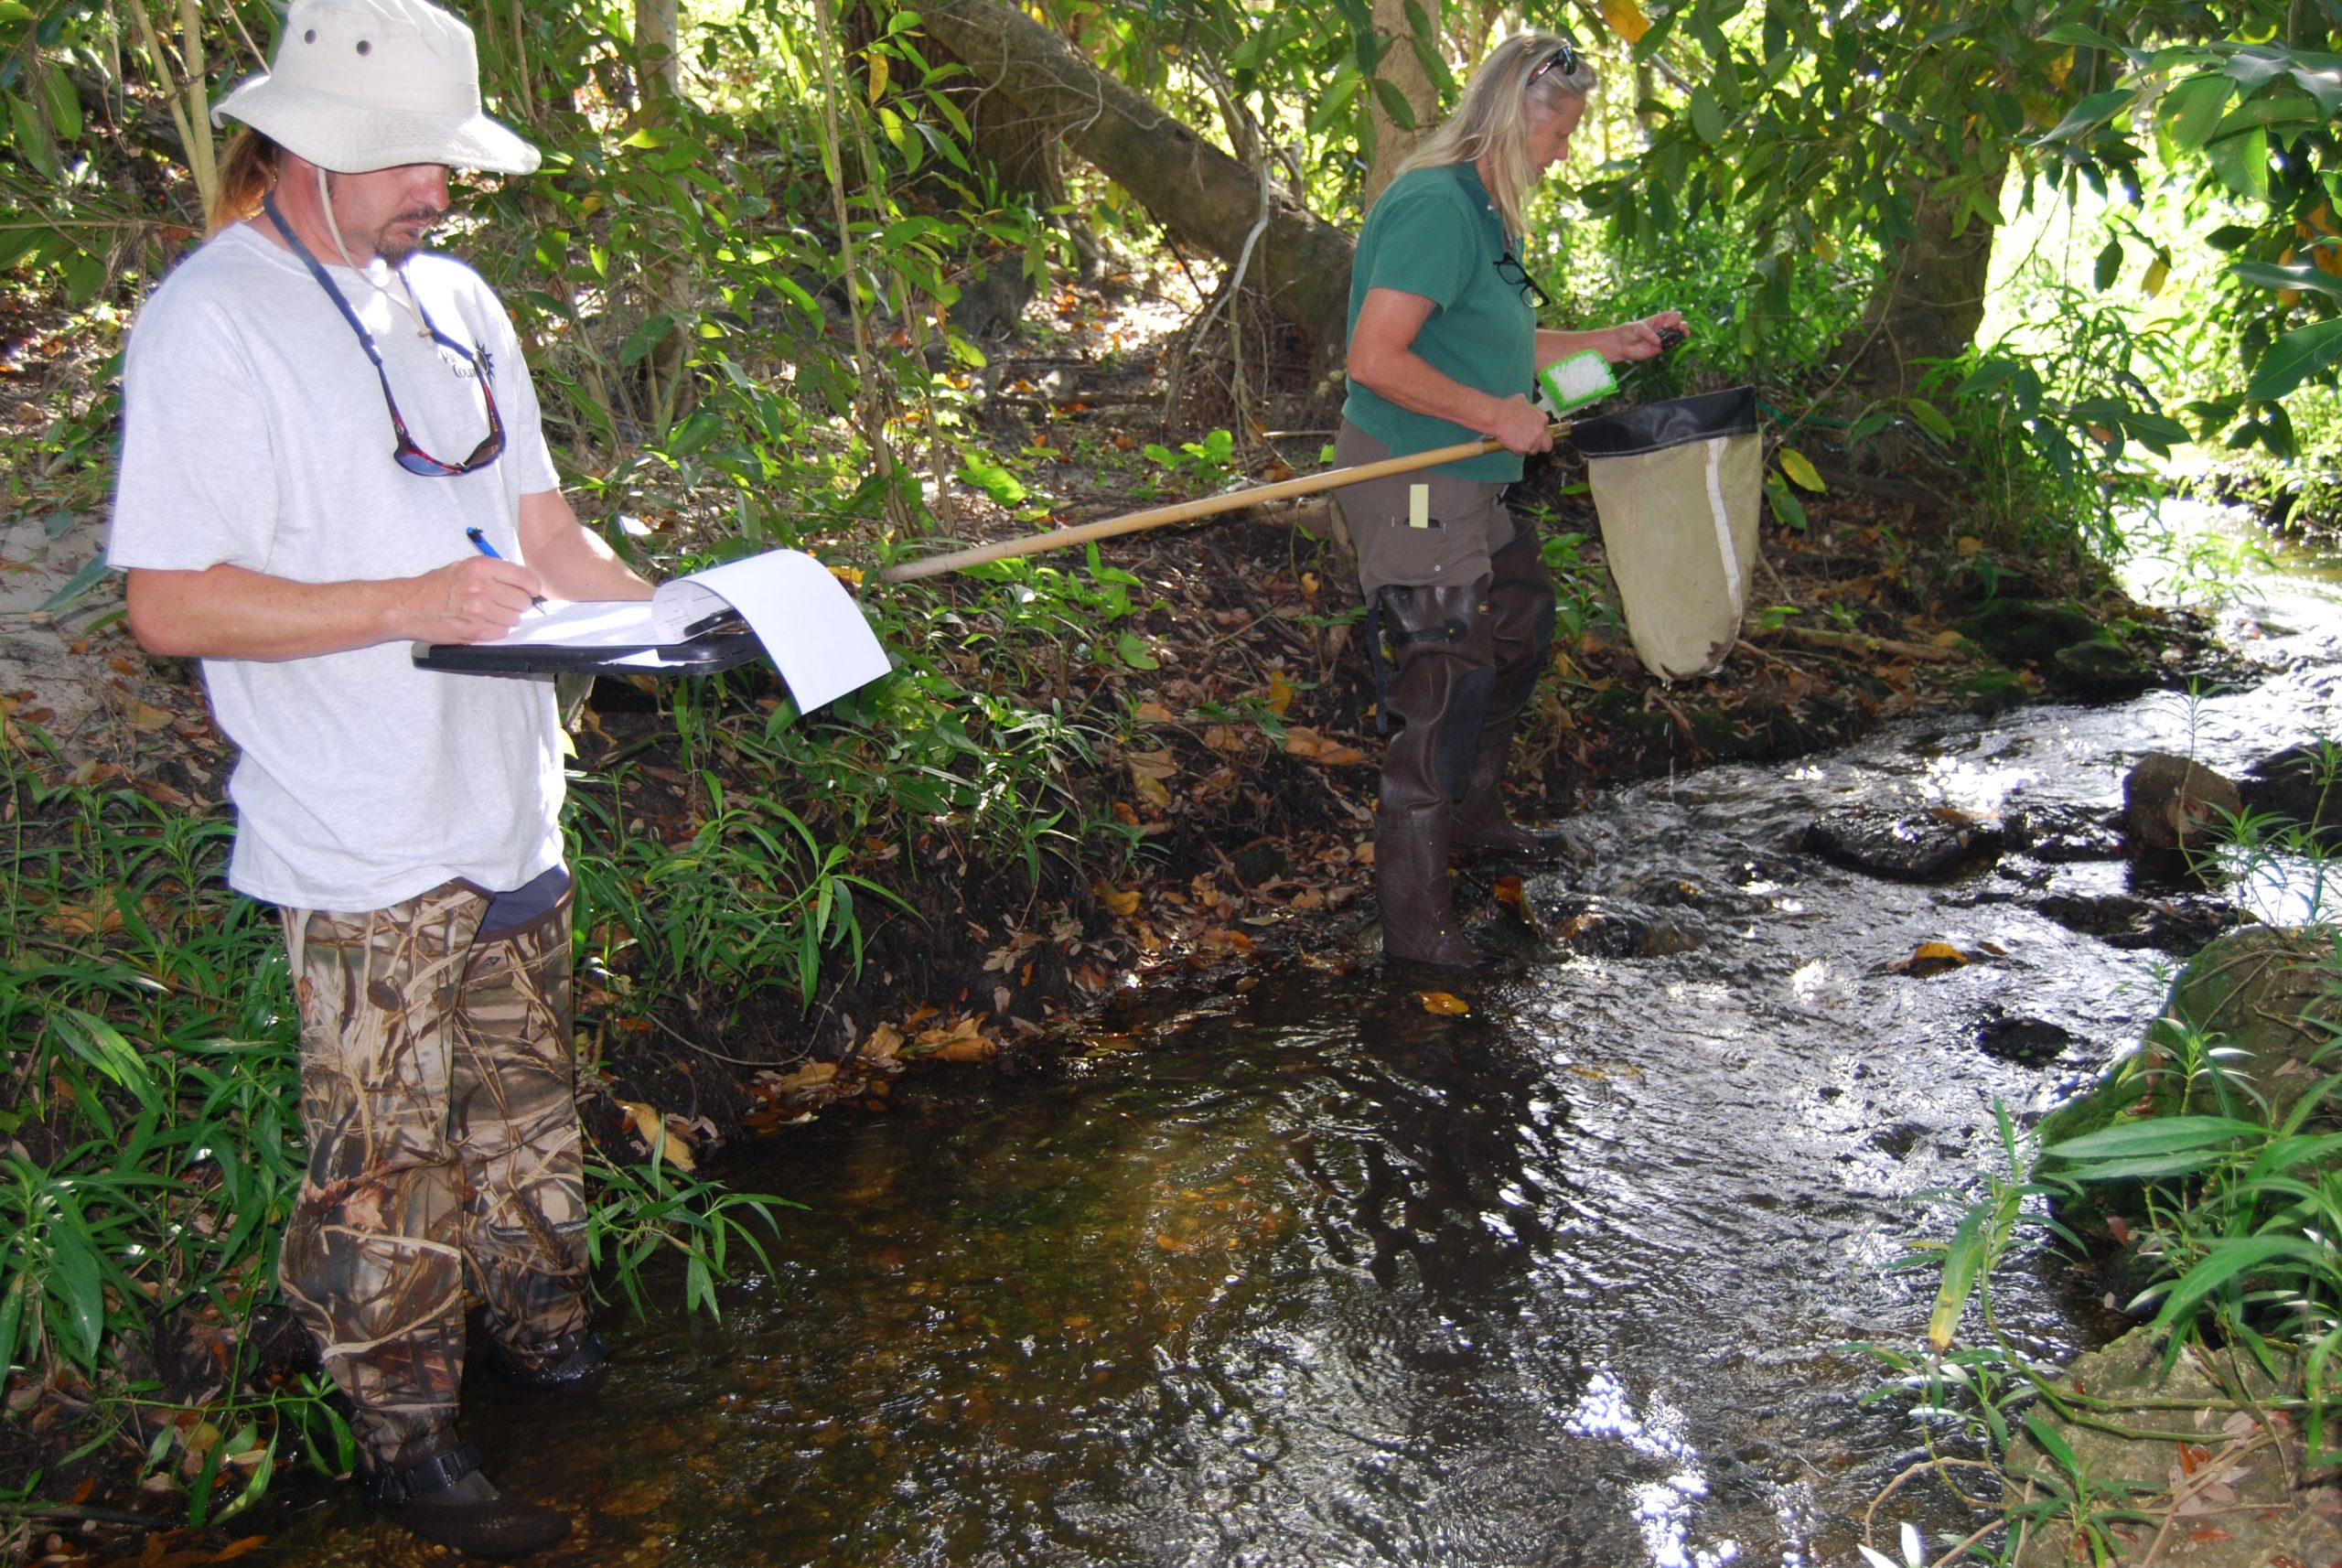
[{"x": 1677, "y": 421}]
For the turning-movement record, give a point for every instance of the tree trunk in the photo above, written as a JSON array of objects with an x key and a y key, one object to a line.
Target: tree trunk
[
  {"x": 1932, "y": 300},
  {"x": 657, "y": 38},
  {"x": 1196, "y": 191},
  {"x": 657, "y": 27},
  {"x": 1402, "y": 69}
]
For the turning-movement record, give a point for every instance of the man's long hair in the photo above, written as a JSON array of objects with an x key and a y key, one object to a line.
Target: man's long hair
[
  {"x": 247, "y": 172},
  {"x": 1494, "y": 118}
]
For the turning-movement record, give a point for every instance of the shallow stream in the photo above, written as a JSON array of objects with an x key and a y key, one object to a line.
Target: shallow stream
[{"x": 1309, "y": 1274}]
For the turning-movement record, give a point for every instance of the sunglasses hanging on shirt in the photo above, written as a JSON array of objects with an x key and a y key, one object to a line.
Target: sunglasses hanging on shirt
[{"x": 406, "y": 454}]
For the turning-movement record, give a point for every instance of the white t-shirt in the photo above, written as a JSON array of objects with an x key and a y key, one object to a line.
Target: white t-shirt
[{"x": 255, "y": 434}]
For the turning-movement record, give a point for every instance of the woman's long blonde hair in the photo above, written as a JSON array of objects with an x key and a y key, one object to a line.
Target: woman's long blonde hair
[{"x": 1494, "y": 116}]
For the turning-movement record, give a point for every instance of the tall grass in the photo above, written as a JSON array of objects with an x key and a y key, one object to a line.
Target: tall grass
[{"x": 150, "y": 1150}]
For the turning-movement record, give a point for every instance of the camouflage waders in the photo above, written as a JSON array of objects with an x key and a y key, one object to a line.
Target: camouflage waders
[{"x": 439, "y": 1093}]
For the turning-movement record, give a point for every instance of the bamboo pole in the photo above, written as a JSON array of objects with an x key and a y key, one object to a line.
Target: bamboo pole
[{"x": 1186, "y": 511}]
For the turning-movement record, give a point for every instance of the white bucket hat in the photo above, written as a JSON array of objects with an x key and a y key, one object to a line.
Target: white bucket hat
[{"x": 372, "y": 84}]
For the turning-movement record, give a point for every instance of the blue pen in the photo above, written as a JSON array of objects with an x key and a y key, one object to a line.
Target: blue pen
[{"x": 480, "y": 542}]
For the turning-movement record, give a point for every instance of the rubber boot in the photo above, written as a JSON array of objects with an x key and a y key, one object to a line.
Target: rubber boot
[
  {"x": 1519, "y": 597},
  {"x": 1438, "y": 692},
  {"x": 444, "y": 1499}
]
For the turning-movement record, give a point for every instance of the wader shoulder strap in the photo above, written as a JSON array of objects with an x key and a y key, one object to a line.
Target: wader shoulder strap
[{"x": 1380, "y": 665}]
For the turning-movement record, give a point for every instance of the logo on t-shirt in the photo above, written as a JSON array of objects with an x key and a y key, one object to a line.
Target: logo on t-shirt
[{"x": 468, "y": 367}]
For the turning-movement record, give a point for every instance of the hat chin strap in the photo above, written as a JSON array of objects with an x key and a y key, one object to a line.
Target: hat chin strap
[{"x": 325, "y": 204}]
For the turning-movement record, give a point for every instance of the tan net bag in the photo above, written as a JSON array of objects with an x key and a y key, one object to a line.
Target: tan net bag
[{"x": 1677, "y": 486}]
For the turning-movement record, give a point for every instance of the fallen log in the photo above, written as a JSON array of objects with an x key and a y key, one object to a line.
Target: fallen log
[{"x": 1200, "y": 193}]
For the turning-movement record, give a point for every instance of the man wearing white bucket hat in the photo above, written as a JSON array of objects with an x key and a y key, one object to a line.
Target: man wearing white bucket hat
[{"x": 281, "y": 516}]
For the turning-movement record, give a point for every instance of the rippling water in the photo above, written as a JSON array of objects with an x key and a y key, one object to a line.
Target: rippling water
[{"x": 1308, "y": 1274}]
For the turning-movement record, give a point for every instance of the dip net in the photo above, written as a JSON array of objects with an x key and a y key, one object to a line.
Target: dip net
[{"x": 1677, "y": 486}]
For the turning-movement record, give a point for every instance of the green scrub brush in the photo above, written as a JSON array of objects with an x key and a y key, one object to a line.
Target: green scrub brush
[{"x": 1572, "y": 383}]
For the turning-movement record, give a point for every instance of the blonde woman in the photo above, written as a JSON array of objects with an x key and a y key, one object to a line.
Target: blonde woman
[{"x": 1444, "y": 346}]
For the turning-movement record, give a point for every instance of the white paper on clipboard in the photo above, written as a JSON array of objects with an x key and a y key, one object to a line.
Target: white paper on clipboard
[{"x": 805, "y": 618}]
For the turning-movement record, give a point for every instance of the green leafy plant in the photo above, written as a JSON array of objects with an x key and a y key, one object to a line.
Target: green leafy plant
[
  {"x": 1205, "y": 465},
  {"x": 646, "y": 1209}
]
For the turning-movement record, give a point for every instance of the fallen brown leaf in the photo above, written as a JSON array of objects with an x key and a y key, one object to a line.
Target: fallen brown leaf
[{"x": 1302, "y": 742}]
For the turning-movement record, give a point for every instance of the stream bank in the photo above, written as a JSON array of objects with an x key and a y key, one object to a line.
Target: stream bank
[
  {"x": 1303, "y": 1263},
  {"x": 1227, "y": 738},
  {"x": 1312, "y": 1264}
]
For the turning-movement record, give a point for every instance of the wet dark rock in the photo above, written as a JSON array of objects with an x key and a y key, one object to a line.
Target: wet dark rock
[
  {"x": 2101, "y": 667},
  {"x": 1904, "y": 847},
  {"x": 2299, "y": 786},
  {"x": 1898, "y": 1138},
  {"x": 2171, "y": 804},
  {"x": 2180, "y": 924},
  {"x": 2027, "y": 1042},
  {"x": 1682, "y": 893},
  {"x": 2030, "y": 631},
  {"x": 1599, "y": 929},
  {"x": 2061, "y": 834}
]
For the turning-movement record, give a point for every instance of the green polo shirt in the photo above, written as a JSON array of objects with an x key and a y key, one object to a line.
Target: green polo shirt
[{"x": 1436, "y": 234}]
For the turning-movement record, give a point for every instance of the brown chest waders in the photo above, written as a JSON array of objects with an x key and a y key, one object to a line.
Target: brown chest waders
[
  {"x": 1520, "y": 623},
  {"x": 1464, "y": 659},
  {"x": 1445, "y": 668}
]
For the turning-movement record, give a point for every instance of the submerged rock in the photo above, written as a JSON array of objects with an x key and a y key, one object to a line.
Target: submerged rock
[
  {"x": 2181, "y": 924},
  {"x": 2059, "y": 834},
  {"x": 1599, "y": 929},
  {"x": 2027, "y": 1042},
  {"x": 1906, "y": 846},
  {"x": 2171, "y": 804}
]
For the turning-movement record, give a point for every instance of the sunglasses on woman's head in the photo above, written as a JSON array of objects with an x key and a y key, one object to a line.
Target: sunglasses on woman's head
[{"x": 1564, "y": 60}]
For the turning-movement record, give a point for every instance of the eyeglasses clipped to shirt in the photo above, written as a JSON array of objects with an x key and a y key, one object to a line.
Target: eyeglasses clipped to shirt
[
  {"x": 406, "y": 454},
  {"x": 1509, "y": 268}
]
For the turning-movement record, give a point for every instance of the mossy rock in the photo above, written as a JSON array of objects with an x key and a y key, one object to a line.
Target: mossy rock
[
  {"x": 2031, "y": 631},
  {"x": 2101, "y": 667},
  {"x": 2274, "y": 993},
  {"x": 2188, "y": 1452}
]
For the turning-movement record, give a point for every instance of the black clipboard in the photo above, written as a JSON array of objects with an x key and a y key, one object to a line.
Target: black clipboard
[{"x": 725, "y": 644}]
